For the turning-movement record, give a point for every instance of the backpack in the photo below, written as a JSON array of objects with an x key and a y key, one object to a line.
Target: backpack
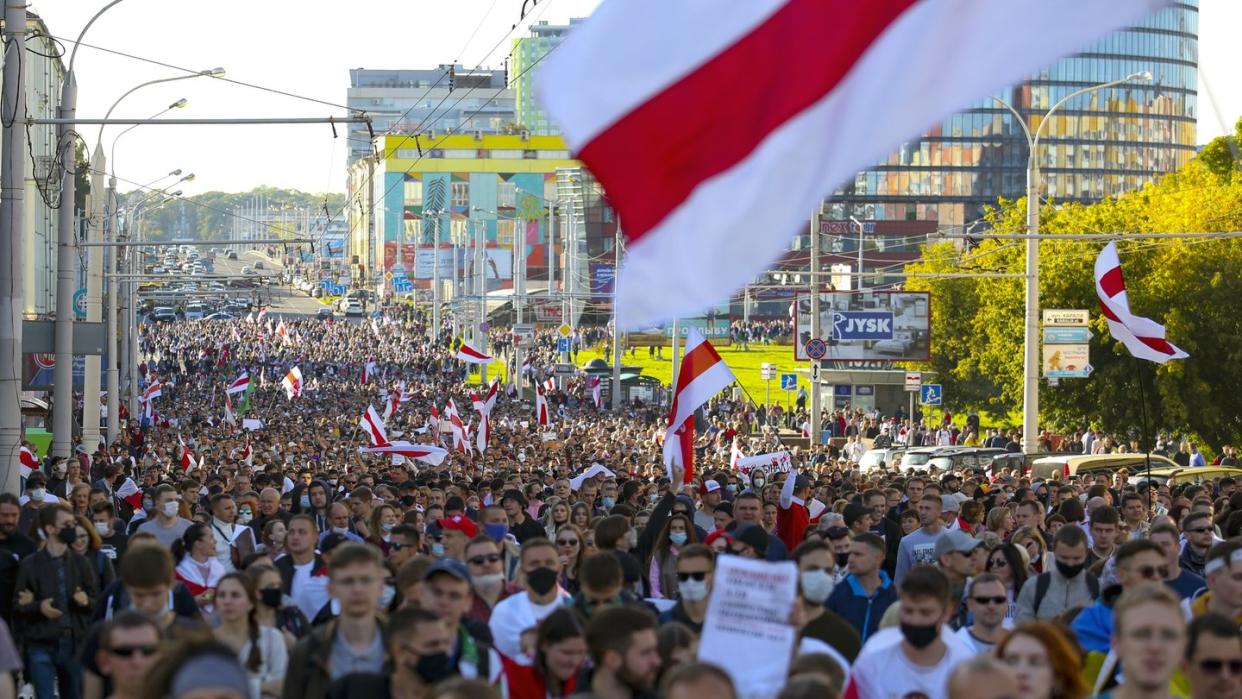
[{"x": 1044, "y": 581}]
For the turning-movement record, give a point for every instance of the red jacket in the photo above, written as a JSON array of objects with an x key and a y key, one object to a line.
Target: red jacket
[{"x": 525, "y": 682}]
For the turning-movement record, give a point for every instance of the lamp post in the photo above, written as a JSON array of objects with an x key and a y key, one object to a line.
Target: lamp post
[
  {"x": 12, "y": 210},
  {"x": 435, "y": 214},
  {"x": 1030, "y": 354}
]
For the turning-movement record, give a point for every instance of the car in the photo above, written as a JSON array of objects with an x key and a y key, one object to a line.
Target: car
[
  {"x": 247, "y": 270},
  {"x": 158, "y": 270},
  {"x": 353, "y": 308},
  {"x": 1063, "y": 467},
  {"x": 964, "y": 458},
  {"x": 874, "y": 459},
  {"x": 220, "y": 315},
  {"x": 163, "y": 314},
  {"x": 216, "y": 286},
  {"x": 232, "y": 255},
  {"x": 324, "y": 313},
  {"x": 195, "y": 311},
  {"x": 258, "y": 265}
]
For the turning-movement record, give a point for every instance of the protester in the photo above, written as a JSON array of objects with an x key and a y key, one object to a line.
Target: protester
[
  {"x": 1213, "y": 661},
  {"x": 987, "y": 602},
  {"x": 1044, "y": 661},
  {"x": 1149, "y": 641},
  {"x": 560, "y": 651},
  {"x": 625, "y": 659}
]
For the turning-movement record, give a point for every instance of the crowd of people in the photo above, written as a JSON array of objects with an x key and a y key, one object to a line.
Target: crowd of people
[{"x": 196, "y": 557}]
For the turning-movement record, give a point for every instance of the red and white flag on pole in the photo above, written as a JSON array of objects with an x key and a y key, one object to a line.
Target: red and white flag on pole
[
  {"x": 130, "y": 493},
  {"x": 1142, "y": 336},
  {"x": 229, "y": 416},
  {"x": 262, "y": 314},
  {"x": 187, "y": 458},
  {"x": 832, "y": 85},
  {"x": 292, "y": 383},
  {"x": 703, "y": 374},
  {"x": 541, "y": 406},
  {"x": 597, "y": 391},
  {"x": 223, "y": 355},
  {"x": 30, "y": 462},
  {"x": 374, "y": 427},
  {"x": 239, "y": 385},
  {"x": 470, "y": 355},
  {"x": 735, "y": 453},
  {"x": 368, "y": 370},
  {"x": 422, "y": 452}
]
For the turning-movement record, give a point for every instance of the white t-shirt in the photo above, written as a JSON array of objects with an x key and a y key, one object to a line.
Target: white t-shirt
[
  {"x": 309, "y": 592},
  {"x": 514, "y": 615},
  {"x": 882, "y": 670}
]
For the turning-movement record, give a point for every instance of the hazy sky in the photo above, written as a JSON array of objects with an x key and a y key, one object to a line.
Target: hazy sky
[{"x": 307, "y": 47}]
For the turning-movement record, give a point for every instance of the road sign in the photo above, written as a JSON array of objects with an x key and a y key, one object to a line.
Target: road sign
[
  {"x": 914, "y": 380},
  {"x": 523, "y": 329},
  {"x": 930, "y": 394},
  {"x": 485, "y": 326},
  {"x": 1054, "y": 316},
  {"x": 816, "y": 348},
  {"x": 79, "y": 304},
  {"x": 767, "y": 371},
  {"x": 814, "y": 372},
  {"x": 388, "y": 276},
  {"x": 562, "y": 344},
  {"x": 563, "y": 369},
  {"x": 789, "y": 382},
  {"x": 564, "y": 330},
  {"x": 402, "y": 285},
  {"x": 1067, "y": 361},
  {"x": 1060, "y": 335}
]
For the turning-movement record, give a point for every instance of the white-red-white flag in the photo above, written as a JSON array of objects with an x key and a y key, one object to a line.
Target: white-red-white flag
[
  {"x": 368, "y": 370},
  {"x": 832, "y": 85},
  {"x": 373, "y": 425},
  {"x": 262, "y": 314},
  {"x": 470, "y": 355},
  {"x": 239, "y": 385},
  {"x": 1142, "y": 336},
  {"x": 541, "y": 406},
  {"x": 187, "y": 457},
  {"x": 735, "y": 452},
  {"x": 703, "y": 374},
  {"x": 422, "y": 452},
  {"x": 229, "y": 416},
  {"x": 292, "y": 383},
  {"x": 130, "y": 493},
  {"x": 595, "y": 385},
  {"x": 29, "y": 462}
]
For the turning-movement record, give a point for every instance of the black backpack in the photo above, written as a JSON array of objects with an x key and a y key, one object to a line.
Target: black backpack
[{"x": 1044, "y": 581}]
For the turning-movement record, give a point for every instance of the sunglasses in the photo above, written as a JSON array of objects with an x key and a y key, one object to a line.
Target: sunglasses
[
  {"x": 1213, "y": 666},
  {"x": 485, "y": 558},
  {"x": 1199, "y": 530},
  {"x": 566, "y": 542},
  {"x": 128, "y": 651},
  {"x": 990, "y": 600},
  {"x": 699, "y": 576},
  {"x": 997, "y": 563},
  {"x": 1153, "y": 572}
]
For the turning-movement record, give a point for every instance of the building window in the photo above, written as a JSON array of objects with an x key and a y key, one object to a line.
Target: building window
[
  {"x": 461, "y": 194},
  {"x": 413, "y": 192},
  {"x": 506, "y": 195}
]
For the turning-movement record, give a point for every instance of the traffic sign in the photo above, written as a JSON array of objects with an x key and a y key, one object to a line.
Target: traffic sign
[
  {"x": 816, "y": 348},
  {"x": 565, "y": 330},
  {"x": 79, "y": 304},
  {"x": 1060, "y": 335},
  {"x": 767, "y": 371},
  {"x": 814, "y": 372},
  {"x": 562, "y": 344},
  {"x": 388, "y": 276},
  {"x": 930, "y": 394},
  {"x": 402, "y": 285},
  {"x": 521, "y": 330},
  {"x": 1060, "y": 316},
  {"x": 563, "y": 369},
  {"x": 1067, "y": 361},
  {"x": 789, "y": 382},
  {"x": 914, "y": 380}
]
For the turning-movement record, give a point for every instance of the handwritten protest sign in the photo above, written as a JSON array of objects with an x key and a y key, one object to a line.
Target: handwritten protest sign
[
  {"x": 776, "y": 462},
  {"x": 748, "y": 617}
]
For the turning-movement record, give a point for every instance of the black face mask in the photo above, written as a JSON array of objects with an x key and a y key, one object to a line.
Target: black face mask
[
  {"x": 920, "y": 636},
  {"x": 843, "y": 559},
  {"x": 433, "y": 668},
  {"x": 1069, "y": 571},
  {"x": 271, "y": 597},
  {"x": 67, "y": 535},
  {"x": 541, "y": 580}
]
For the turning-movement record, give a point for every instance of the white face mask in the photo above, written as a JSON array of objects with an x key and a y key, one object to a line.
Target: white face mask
[
  {"x": 37, "y": 494},
  {"x": 103, "y": 528},
  {"x": 816, "y": 585},
  {"x": 340, "y": 530},
  {"x": 171, "y": 508},
  {"x": 490, "y": 581},
  {"x": 693, "y": 590}
]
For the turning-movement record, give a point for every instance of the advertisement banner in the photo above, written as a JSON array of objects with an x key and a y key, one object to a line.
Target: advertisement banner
[
  {"x": 713, "y": 325},
  {"x": 867, "y": 326},
  {"x": 602, "y": 276}
]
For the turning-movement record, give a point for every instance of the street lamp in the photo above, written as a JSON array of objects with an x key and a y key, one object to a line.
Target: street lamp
[
  {"x": 435, "y": 215},
  {"x": 1030, "y": 356}
]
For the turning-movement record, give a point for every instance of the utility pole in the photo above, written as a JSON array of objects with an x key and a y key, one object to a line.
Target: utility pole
[
  {"x": 94, "y": 296},
  {"x": 435, "y": 274},
  {"x": 616, "y": 329},
  {"x": 66, "y": 254},
  {"x": 551, "y": 247},
  {"x": 113, "y": 381},
  {"x": 480, "y": 271},
  {"x": 815, "y": 330},
  {"x": 519, "y": 302},
  {"x": 12, "y": 213}
]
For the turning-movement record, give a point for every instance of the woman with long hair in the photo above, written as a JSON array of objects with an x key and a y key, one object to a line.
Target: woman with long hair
[
  {"x": 678, "y": 531},
  {"x": 80, "y": 500},
  {"x": 274, "y": 538},
  {"x": 1031, "y": 541},
  {"x": 381, "y": 523},
  {"x": 1008, "y": 562},
  {"x": 580, "y": 516},
  {"x": 560, "y": 652},
  {"x": 558, "y": 516},
  {"x": 88, "y": 543},
  {"x": 197, "y": 566},
  {"x": 272, "y": 609},
  {"x": 569, "y": 547},
  {"x": 261, "y": 649},
  {"x": 1044, "y": 662},
  {"x": 1000, "y": 521}
]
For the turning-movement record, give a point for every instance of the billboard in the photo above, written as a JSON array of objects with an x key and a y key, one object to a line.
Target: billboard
[
  {"x": 867, "y": 326},
  {"x": 602, "y": 275},
  {"x": 713, "y": 325},
  {"x": 499, "y": 262}
]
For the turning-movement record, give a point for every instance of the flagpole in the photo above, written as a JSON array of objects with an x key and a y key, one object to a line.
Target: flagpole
[{"x": 1146, "y": 444}]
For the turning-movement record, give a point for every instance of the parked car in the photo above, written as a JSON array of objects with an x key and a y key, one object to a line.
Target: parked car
[
  {"x": 232, "y": 255},
  {"x": 353, "y": 308},
  {"x": 1067, "y": 466},
  {"x": 195, "y": 311},
  {"x": 163, "y": 314},
  {"x": 259, "y": 265},
  {"x": 874, "y": 459},
  {"x": 220, "y": 315},
  {"x": 324, "y": 313},
  {"x": 247, "y": 270}
]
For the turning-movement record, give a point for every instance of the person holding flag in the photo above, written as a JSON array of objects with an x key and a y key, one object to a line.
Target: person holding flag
[
  {"x": 703, "y": 374},
  {"x": 292, "y": 383}
]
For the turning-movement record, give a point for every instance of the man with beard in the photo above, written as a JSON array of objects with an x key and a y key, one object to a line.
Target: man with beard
[
  {"x": 14, "y": 546},
  {"x": 625, "y": 657},
  {"x": 418, "y": 643}
]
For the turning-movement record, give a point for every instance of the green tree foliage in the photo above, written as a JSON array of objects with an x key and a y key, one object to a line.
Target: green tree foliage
[
  {"x": 1191, "y": 285},
  {"x": 209, "y": 216}
]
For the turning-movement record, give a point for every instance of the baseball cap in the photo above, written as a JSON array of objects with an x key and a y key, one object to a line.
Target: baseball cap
[
  {"x": 450, "y": 566},
  {"x": 956, "y": 541},
  {"x": 458, "y": 523},
  {"x": 948, "y": 503},
  {"x": 710, "y": 486}
]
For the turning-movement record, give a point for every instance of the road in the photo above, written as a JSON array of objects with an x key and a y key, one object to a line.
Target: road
[{"x": 284, "y": 300}]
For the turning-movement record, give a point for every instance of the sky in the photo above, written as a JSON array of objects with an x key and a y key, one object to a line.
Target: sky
[{"x": 306, "y": 48}]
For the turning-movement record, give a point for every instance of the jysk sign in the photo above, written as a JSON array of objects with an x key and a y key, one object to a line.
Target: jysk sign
[{"x": 862, "y": 325}]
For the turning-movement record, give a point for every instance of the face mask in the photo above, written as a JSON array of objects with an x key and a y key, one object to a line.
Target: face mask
[
  {"x": 607, "y": 502},
  {"x": 437, "y": 549},
  {"x": 171, "y": 508},
  {"x": 678, "y": 538},
  {"x": 304, "y": 501},
  {"x": 1069, "y": 571},
  {"x": 409, "y": 501},
  {"x": 541, "y": 580},
  {"x": 731, "y": 488},
  {"x": 148, "y": 505},
  {"x": 496, "y": 532},
  {"x": 340, "y": 530},
  {"x": 633, "y": 538},
  {"x": 37, "y": 494},
  {"x": 387, "y": 526},
  {"x": 67, "y": 535},
  {"x": 489, "y": 582},
  {"x": 103, "y": 528},
  {"x": 244, "y": 517},
  {"x": 271, "y": 597},
  {"x": 920, "y": 636},
  {"x": 758, "y": 482},
  {"x": 386, "y": 596},
  {"x": 843, "y": 559},
  {"x": 816, "y": 585},
  {"x": 693, "y": 590},
  {"x": 433, "y": 668},
  {"x": 653, "y": 498},
  {"x": 214, "y": 490}
]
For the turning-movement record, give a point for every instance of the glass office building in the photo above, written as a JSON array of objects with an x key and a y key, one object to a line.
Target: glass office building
[{"x": 1095, "y": 146}]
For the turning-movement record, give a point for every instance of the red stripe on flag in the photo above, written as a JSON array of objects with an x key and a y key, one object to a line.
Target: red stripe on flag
[
  {"x": 696, "y": 361},
  {"x": 1113, "y": 283},
  {"x": 1158, "y": 344},
  {"x": 650, "y": 182}
]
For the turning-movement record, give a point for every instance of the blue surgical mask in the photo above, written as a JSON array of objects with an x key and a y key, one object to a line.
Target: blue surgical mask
[
  {"x": 608, "y": 502},
  {"x": 678, "y": 538},
  {"x": 496, "y": 532},
  {"x": 305, "y": 501},
  {"x": 437, "y": 549}
]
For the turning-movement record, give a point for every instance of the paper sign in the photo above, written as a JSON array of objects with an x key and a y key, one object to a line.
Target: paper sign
[
  {"x": 776, "y": 462},
  {"x": 748, "y": 617},
  {"x": 252, "y": 424},
  {"x": 595, "y": 470}
]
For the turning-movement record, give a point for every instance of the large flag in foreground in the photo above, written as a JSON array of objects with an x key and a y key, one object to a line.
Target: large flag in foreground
[
  {"x": 703, "y": 374},
  {"x": 729, "y": 113},
  {"x": 1142, "y": 336},
  {"x": 468, "y": 354},
  {"x": 422, "y": 452}
]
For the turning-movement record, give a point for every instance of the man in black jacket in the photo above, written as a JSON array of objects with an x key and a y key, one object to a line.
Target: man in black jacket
[
  {"x": 14, "y": 546},
  {"x": 55, "y": 594}
]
